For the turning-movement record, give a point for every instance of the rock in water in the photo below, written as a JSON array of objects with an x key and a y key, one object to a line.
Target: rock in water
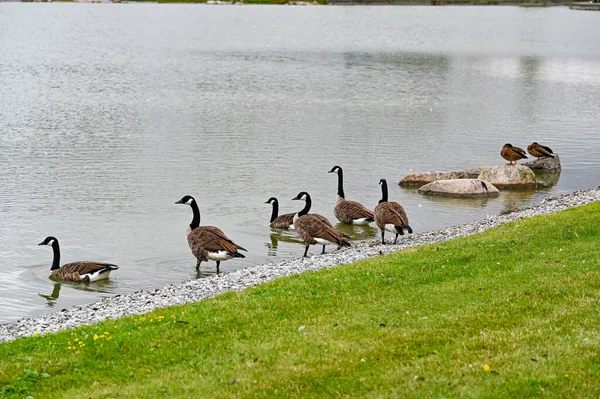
[
  {"x": 419, "y": 179},
  {"x": 548, "y": 163},
  {"x": 507, "y": 176},
  {"x": 464, "y": 188}
]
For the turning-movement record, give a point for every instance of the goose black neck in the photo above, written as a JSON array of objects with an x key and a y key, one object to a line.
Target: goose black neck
[
  {"x": 56, "y": 260},
  {"x": 275, "y": 210},
  {"x": 306, "y": 208},
  {"x": 196, "y": 220},
  {"x": 340, "y": 183},
  {"x": 384, "y": 192}
]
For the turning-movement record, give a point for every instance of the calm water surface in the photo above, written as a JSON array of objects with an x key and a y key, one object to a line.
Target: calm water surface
[{"x": 111, "y": 113}]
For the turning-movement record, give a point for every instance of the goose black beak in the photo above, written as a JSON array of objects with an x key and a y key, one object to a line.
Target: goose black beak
[
  {"x": 296, "y": 198},
  {"x": 41, "y": 243},
  {"x": 179, "y": 202}
]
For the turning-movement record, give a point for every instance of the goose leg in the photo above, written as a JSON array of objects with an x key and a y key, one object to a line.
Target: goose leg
[
  {"x": 382, "y": 237},
  {"x": 395, "y": 239},
  {"x": 198, "y": 261},
  {"x": 218, "y": 264},
  {"x": 322, "y": 252},
  {"x": 306, "y": 251}
]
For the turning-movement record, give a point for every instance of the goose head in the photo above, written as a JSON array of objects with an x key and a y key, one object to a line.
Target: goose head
[
  {"x": 335, "y": 169},
  {"x": 303, "y": 195},
  {"x": 382, "y": 181},
  {"x": 186, "y": 200},
  {"x": 270, "y": 200},
  {"x": 50, "y": 241},
  {"x": 508, "y": 145}
]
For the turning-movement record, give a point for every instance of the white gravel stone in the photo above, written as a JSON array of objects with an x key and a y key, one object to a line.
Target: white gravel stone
[{"x": 197, "y": 290}]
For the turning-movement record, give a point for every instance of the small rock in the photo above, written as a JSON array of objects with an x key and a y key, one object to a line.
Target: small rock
[
  {"x": 548, "y": 163},
  {"x": 464, "y": 188},
  {"x": 507, "y": 176}
]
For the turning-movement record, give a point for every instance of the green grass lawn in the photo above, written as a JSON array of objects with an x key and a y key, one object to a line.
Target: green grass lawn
[{"x": 512, "y": 312}]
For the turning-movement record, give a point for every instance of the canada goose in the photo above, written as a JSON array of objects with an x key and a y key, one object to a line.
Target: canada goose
[
  {"x": 285, "y": 221},
  {"x": 316, "y": 229},
  {"x": 208, "y": 242},
  {"x": 539, "y": 151},
  {"x": 512, "y": 154},
  {"x": 77, "y": 271},
  {"x": 349, "y": 212},
  {"x": 390, "y": 215}
]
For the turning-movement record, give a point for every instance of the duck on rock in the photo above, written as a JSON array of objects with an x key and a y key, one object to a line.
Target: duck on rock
[{"x": 512, "y": 154}]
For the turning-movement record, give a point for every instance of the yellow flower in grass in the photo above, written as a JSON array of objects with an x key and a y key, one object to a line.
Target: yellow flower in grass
[
  {"x": 35, "y": 334},
  {"x": 486, "y": 367}
]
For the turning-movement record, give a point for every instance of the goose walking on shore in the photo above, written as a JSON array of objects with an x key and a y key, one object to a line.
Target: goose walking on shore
[
  {"x": 76, "y": 271},
  {"x": 315, "y": 229},
  {"x": 390, "y": 215},
  {"x": 208, "y": 242},
  {"x": 349, "y": 212}
]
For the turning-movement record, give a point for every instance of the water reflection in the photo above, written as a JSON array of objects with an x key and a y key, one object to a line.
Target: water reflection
[
  {"x": 282, "y": 236},
  {"x": 51, "y": 299},
  {"x": 547, "y": 179}
]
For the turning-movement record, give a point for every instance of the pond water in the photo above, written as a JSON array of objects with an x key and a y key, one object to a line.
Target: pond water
[{"x": 111, "y": 113}]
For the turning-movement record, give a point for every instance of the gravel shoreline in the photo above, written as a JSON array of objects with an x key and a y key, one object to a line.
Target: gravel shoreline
[{"x": 196, "y": 290}]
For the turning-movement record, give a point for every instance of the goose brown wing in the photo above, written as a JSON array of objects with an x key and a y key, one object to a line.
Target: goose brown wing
[
  {"x": 211, "y": 238},
  {"x": 312, "y": 226},
  {"x": 74, "y": 271},
  {"x": 283, "y": 221},
  {"x": 353, "y": 210},
  {"x": 390, "y": 213}
]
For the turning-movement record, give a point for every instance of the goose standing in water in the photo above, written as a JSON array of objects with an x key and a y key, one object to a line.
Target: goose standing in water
[
  {"x": 208, "y": 242},
  {"x": 512, "y": 154},
  {"x": 316, "y": 229},
  {"x": 77, "y": 271},
  {"x": 349, "y": 212},
  {"x": 540, "y": 151},
  {"x": 285, "y": 221},
  {"x": 390, "y": 215}
]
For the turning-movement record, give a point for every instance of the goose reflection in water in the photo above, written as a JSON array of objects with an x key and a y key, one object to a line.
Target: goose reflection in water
[
  {"x": 51, "y": 299},
  {"x": 284, "y": 237}
]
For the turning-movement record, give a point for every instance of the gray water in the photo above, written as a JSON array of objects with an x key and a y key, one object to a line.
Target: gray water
[{"x": 111, "y": 113}]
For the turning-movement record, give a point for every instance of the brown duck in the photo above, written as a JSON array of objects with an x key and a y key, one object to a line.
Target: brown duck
[
  {"x": 390, "y": 215},
  {"x": 349, "y": 212},
  {"x": 316, "y": 229},
  {"x": 76, "y": 271},
  {"x": 208, "y": 242},
  {"x": 285, "y": 221},
  {"x": 512, "y": 154},
  {"x": 539, "y": 151}
]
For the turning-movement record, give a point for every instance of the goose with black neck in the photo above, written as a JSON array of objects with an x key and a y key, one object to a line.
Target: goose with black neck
[
  {"x": 208, "y": 242},
  {"x": 283, "y": 222},
  {"x": 76, "y": 271},
  {"x": 390, "y": 215},
  {"x": 349, "y": 212},
  {"x": 316, "y": 229}
]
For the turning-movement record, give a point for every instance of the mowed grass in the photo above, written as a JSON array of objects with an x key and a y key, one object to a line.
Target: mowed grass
[{"x": 512, "y": 312}]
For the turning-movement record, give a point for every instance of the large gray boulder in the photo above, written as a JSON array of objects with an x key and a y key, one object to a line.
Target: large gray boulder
[
  {"x": 465, "y": 188},
  {"x": 549, "y": 163},
  {"x": 507, "y": 176},
  {"x": 419, "y": 179}
]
